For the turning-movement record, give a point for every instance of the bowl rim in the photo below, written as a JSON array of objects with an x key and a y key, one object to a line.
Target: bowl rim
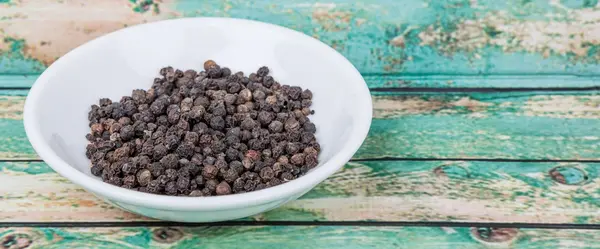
[{"x": 182, "y": 203}]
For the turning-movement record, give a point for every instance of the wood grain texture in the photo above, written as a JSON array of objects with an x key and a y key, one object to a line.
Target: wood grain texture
[
  {"x": 462, "y": 37},
  {"x": 395, "y": 44},
  {"x": 365, "y": 191},
  {"x": 550, "y": 125},
  {"x": 385, "y": 81},
  {"x": 296, "y": 237},
  {"x": 489, "y": 125}
]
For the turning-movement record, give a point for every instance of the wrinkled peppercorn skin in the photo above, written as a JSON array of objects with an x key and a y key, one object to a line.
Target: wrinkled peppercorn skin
[{"x": 204, "y": 134}]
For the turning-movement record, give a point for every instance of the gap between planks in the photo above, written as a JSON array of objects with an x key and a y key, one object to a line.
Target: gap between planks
[
  {"x": 530, "y": 126},
  {"x": 306, "y": 223},
  {"x": 295, "y": 237},
  {"x": 424, "y": 83},
  {"x": 411, "y": 159},
  {"x": 477, "y": 192}
]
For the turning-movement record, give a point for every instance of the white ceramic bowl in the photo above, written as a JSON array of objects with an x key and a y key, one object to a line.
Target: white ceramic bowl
[{"x": 115, "y": 64}]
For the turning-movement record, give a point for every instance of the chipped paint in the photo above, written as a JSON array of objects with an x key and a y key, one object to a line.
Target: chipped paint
[
  {"x": 243, "y": 237},
  {"x": 369, "y": 34},
  {"x": 384, "y": 107},
  {"x": 11, "y": 107},
  {"x": 386, "y": 191},
  {"x": 331, "y": 19},
  {"x": 555, "y": 106},
  {"x": 41, "y": 188},
  {"x": 391, "y": 106},
  {"x": 85, "y": 21},
  {"x": 577, "y": 32},
  {"x": 558, "y": 106},
  {"x": 398, "y": 41}
]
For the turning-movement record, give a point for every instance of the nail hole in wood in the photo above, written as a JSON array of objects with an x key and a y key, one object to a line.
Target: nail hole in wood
[
  {"x": 451, "y": 171},
  {"x": 568, "y": 175},
  {"x": 166, "y": 235},
  {"x": 494, "y": 235},
  {"x": 15, "y": 241}
]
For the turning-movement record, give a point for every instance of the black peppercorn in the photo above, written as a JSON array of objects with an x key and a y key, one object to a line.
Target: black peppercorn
[
  {"x": 144, "y": 177},
  {"x": 217, "y": 123},
  {"x": 276, "y": 126},
  {"x": 262, "y": 71},
  {"x": 171, "y": 174},
  {"x": 204, "y": 133},
  {"x": 223, "y": 189},
  {"x": 248, "y": 124},
  {"x": 170, "y": 161},
  {"x": 96, "y": 170},
  {"x": 210, "y": 171},
  {"x": 183, "y": 182},
  {"x": 265, "y": 118},
  {"x": 171, "y": 188},
  {"x": 298, "y": 159},
  {"x": 266, "y": 174},
  {"x": 211, "y": 185}
]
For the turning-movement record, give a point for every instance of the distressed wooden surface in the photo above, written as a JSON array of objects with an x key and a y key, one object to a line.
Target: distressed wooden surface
[
  {"x": 442, "y": 145},
  {"x": 296, "y": 237},
  {"x": 387, "y": 81},
  {"x": 522, "y": 125},
  {"x": 452, "y": 191},
  {"x": 414, "y": 38}
]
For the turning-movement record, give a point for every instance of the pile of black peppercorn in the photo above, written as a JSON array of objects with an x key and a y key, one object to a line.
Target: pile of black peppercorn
[{"x": 204, "y": 133}]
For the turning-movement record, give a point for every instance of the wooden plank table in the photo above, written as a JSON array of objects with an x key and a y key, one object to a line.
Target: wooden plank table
[{"x": 486, "y": 128}]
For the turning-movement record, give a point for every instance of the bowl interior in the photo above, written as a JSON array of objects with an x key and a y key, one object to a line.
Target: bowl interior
[{"x": 115, "y": 64}]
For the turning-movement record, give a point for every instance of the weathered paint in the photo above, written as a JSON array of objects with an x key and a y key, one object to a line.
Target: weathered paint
[
  {"x": 400, "y": 44},
  {"x": 296, "y": 237},
  {"x": 489, "y": 125},
  {"x": 415, "y": 37},
  {"x": 522, "y": 125},
  {"x": 364, "y": 191},
  {"x": 382, "y": 81}
]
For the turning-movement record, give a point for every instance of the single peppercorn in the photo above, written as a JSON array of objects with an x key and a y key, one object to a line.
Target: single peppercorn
[
  {"x": 265, "y": 118},
  {"x": 128, "y": 168},
  {"x": 245, "y": 95},
  {"x": 262, "y": 71},
  {"x": 223, "y": 189},
  {"x": 250, "y": 185},
  {"x": 209, "y": 64},
  {"x": 259, "y": 95},
  {"x": 96, "y": 170},
  {"x": 171, "y": 188},
  {"x": 287, "y": 176},
  {"x": 144, "y": 177},
  {"x": 217, "y": 123},
  {"x": 171, "y": 174},
  {"x": 153, "y": 187},
  {"x": 183, "y": 183},
  {"x": 210, "y": 171},
  {"x": 185, "y": 150},
  {"x": 248, "y": 124},
  {"x": 266, "y": 174},
  {"x": 211, "y": 185},
  {"x": 298, "y": 159}
]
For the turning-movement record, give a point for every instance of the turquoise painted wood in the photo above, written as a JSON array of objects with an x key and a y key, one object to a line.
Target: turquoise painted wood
[
  {"x": 447, "y": 191},
  {"x": 416, "y": 37},
  {"x": 436, "y": 37},
  {"x": 533, "y": 44},
  {"x": 378, "y": 82},
  {"x": 274, "y": 237},
  {"x": 526, "y": 125}
]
